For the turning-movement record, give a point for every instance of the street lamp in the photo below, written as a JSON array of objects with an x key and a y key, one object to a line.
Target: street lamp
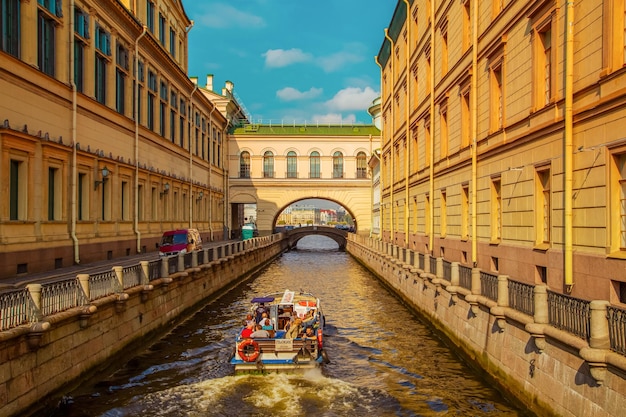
[{"x": 105, "y": 175}]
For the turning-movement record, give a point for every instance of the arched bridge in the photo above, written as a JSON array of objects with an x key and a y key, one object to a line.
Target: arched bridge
[{"x": 338, "y": 235}]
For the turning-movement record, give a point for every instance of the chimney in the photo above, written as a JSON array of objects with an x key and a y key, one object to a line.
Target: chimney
[
  {"x": 229, "y": 86},
  {"x": 194, "y": 80},
  {"x": 209, "y": 82}
]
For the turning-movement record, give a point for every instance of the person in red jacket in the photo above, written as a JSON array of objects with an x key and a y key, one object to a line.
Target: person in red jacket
[{"x": 247, "y": 331}]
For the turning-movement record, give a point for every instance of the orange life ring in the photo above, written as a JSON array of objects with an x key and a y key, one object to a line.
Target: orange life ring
[{"x": 247, "y": 354}]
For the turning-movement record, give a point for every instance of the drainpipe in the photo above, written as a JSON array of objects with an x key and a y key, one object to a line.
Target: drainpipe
[
  {"x": 225, "y": 217},
  {"x": 407, "y": 103},
  {"x": 75, "y": 145},
  {"x": 210, "y": 169},
  {"x": 474, "y": 101},
  {"x": 568, "y": 151},
  {"x": 193, "y": 121},
  {"x": 431, "y": 220},
  {"x": 136, "y": 217},
  {"x": 391, "y": 148},
  {"x": 382, "y": 135}
]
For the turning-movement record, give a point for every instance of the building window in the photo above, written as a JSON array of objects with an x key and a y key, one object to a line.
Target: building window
[
  {"x": 173, "y": 43},
  {"x": 181, "y": 125},
  {"x": 46, "y": 42},
  {"x": 466, "y": 116},
  {"x": 467, "y": 25},
  {"x": 150, "y": 15},
  {"x": 496, "y": 209},
  {"x": 204, "y": 139},
  {"x": 17, "y": 190},
  {"x": 162, "y": 25},
  {"x": 427, "y": 144},
  {"x": 162, "y": 108},
  {"x": 361, "y": 165},
  {"x": 244, "y": 165},
  {"x": 427, "y": 230},
  {"x": 465, "y": 215},
  {"x": 81, "y": 36},
  {"x": 103, "y": 52},
  {"x": 152, "y": 89},
  {"x": 173, "y": 108},
  {"x": 314, "y": 165},
  {"x": 443, "y": 214},
  {"x": 338, "y": 165},
  {"x": 292, "y": 165},
  {"x": 10, "y": 27},
  {"x": 54, "y": 194},
  {"x": 443, "y": 130},
  {"x": 444, "y": 47},
  {"x": 268, "y": 165},
  {"x": 496, "y": 97},
  {"x": 83, "y": 197},
  {"x": 125, "y": 200},
  {"x": 618, "y": 203},
  {"x": 542, "y": 210},
  {"x": 544, "y": 56},
  {"x": 414, "y": 150},
  {"x": 121, "y": 72}
]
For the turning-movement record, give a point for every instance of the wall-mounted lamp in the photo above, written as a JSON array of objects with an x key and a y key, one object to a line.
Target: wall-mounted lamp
[
  {"x": 166, "y": 188},
  {"x": 200, "y": 196},
  {"x": 105, "y": 176}
]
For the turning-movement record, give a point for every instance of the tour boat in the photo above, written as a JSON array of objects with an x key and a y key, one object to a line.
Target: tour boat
[{"x": 284, "y": 350}]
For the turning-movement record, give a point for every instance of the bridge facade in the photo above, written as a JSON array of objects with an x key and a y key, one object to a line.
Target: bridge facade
[
  {"x": 338, "y": 235},
  {"x": 276, "y": 166}
]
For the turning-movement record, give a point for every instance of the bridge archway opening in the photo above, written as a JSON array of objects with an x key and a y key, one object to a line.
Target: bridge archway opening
[{"x": 314, "y": 212}]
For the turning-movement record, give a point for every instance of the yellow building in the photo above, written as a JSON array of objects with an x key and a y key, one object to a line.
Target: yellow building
[
  {"x": 105, "y": 140},
  {"x": 503, "y": 141}
]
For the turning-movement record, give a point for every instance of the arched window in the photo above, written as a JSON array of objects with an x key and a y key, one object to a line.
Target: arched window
[
  {"x": 292, "y": 165},
  {"x": 361, "y": 165},
  {"x": 268, "y": 164},
  {"x": 244, "y": 165},
  {"x": 314, "y": 161},
  {"x": 337, "y": 165}
]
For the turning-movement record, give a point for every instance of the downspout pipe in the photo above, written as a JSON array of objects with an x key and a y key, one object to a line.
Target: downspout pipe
[
  {"x": 474, "y": 101},
  {"x": 431, "y": 180},
  {"x": 136, "y": 115},
  {"x": 569, "y": 147},
  {"x": 381, "y": 142},
  {"x": 407, "y": 103},
  {"x": 195, "y": 88},
  {"x": 391, "y": 148},
  {"x": 74, "y": 188}
]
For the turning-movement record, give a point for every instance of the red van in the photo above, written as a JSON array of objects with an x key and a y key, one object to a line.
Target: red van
[{"x": 178, "y": 241}]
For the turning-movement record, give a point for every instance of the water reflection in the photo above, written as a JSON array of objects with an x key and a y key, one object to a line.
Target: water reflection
[{"x": 384, "y": 360}]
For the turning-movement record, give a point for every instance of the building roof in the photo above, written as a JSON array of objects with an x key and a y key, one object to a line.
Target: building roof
[{"x": 308, "y": 130}]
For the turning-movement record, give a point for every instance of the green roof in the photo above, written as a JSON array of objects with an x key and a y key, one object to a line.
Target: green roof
[{"x": 309, "y": 130}]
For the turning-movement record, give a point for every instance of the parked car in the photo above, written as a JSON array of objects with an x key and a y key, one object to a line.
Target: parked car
[{"x": 178, "y": 241}]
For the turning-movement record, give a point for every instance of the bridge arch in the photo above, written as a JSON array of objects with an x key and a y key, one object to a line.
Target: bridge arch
[{"x": 298, "y": 233}]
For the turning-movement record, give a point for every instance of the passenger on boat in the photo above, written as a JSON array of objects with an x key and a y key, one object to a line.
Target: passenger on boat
[
  {"x": 263, "y": 318},
  {"x": 259, "y": 312},
  {"x": 309, "y": 333},
  {"x": 310, "y": 319},
  {"x": 260, "y": 333},
  {"x": 248, "y": 319},
  {"x": 267, "y": 324},
  {"x": 294, "y": 330},
  {"x": 247, "y": 331}
]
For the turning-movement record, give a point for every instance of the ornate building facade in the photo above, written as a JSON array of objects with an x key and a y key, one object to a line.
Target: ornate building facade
[
  {"x": 503, "y": 143},
  {"x": 105, "y": 140}
]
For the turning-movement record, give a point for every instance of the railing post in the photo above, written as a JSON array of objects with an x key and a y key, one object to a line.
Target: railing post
[
  {"x": 541, "y": 304},
  {"x": 194, "y": 259},
  {"x": 83, "y": 281},
  {"x": 165, "y": 267},
  {"x": 454, "y": 274},
  {"x": 599, "y": 325},
  {"x": 427, "y": 262},
  {"x": 145, "y": 272},
  {"x": 503, "y": 290},
  {"x": 476, "y": 287},
  {"x": 119, "y": 273},
  {"x": 181, "y": 262},
  {"x": 35, "y": 295},
  {"x": 439, "y": 272}
]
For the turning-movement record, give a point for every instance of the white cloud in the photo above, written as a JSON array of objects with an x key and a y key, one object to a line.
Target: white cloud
[
  {"x": 276, "y": 58},
  {"x": 221, "y": 16},
  {"x": 352, "y": 98},
  {"x": 334, "y": 118},
  {"x": 291, "y": 94},
  {"x": 338, "y": 60}
]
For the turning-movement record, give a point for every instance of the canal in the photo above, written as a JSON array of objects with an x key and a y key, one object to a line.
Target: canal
[{"x": 384, "y": 360}]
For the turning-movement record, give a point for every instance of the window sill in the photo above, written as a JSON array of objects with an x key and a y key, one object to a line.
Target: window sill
[
  {"x": 617, "y": 255},
  {"x": 543, "y": 247}
]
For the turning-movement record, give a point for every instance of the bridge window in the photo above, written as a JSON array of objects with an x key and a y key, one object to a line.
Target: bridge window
[
  {"x": 268, "y": 165},
  {"x": 361, "y": 165},
  {"x": 314, "y": 161},
  {"x": 244, "y": 165},
  {"x": 337, "y": 165},
  {"x": 292, "y": 165}
]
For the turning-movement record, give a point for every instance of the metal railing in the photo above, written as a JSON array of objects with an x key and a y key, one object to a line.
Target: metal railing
[
  {"x": 60, "y": 296},
  {"x": 447, "y": 270},
  {"x": 421, "y": 261},
  {"x": 465, "y": 277},
  {"x": 489, "y": 285},
  {"x": 154, "y": 270},
  {"x": 15, "y": 308},
  {"x": 132, "y": 276},
  {"x": 433, "y": 265},
  {"x": 617, "y": 328},
  {"x": 522, "y": 297},
  {"x": 570, "y": 314},
  {"x": 103, "y": 284}
]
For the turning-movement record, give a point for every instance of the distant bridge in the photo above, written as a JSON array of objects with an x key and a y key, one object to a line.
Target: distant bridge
[{"x": 298, "y": 233}]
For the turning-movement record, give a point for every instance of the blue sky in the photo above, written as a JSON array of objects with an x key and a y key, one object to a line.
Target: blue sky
[{"x": 292, "y": 60}]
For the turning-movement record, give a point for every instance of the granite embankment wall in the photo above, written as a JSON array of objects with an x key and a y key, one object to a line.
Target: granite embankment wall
[
  {"x": 40, "y": 361},
  {"x": 550, "y": 371}
]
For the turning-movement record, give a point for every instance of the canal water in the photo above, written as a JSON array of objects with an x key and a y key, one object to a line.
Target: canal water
[{"x": 384, "y": 360}]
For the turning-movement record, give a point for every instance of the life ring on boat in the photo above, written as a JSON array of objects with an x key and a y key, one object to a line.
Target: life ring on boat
[
  {"x": 248, "y": 350},
  {"x": 306, "y": 303}
]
